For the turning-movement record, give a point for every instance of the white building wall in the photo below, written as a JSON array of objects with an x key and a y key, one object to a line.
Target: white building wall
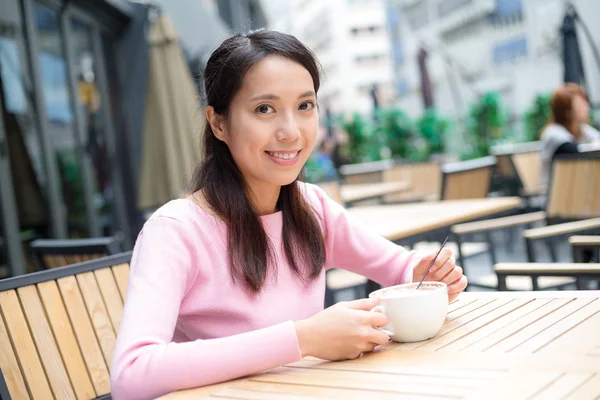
[
  {"x": 472, "y": 46},
  {"x": 353, "y": 57}
]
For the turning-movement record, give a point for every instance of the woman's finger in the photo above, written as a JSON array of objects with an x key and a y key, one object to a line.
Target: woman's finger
[
  {"x": 445, "y": 255},
  {"x": 444, "y": 269},
  {"x": 458, "y": 286},
  {"x": 453, "y": 276}
]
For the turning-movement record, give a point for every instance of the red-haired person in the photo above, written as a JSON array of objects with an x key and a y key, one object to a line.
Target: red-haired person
[{"x": 568, "y": 128}]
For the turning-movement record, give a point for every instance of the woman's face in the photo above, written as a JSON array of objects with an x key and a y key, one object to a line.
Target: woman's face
[
  {"x": 581, "y": 109},
  {"x": 272, "y": 123}
]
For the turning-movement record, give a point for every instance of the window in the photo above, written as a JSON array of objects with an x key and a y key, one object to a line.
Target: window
[
  {"x": 370, "y": 59},
  {"x": 447, "y": 7},
  {"x": 366, "y": 30},
  {"x": 506, "y": 8},
  {"x": 510, "y": 50}
]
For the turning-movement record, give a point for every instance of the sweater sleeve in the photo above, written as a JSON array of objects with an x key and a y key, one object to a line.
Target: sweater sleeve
[
  {"x": 147, "y": 363},
  {"x": 354, "y": 247}
]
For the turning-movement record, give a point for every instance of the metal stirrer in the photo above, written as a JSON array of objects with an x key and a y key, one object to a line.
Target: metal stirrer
[{"x": 433, "y": 262}]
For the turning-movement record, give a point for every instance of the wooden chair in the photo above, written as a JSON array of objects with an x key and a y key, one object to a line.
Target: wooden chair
[
  {"x": 52, "y": 253},
  {"x": 519, "y": 166},
  {"x": 537, "y": 271},
  {"x": 585, "y": 248},
  {"x": 58, "y": 329},
  {"x": 467, "y": 179},
  {"x": 368, "y": 172},
  {"x": 573, "y": 206},
  {"x": 425, "y": 179}
]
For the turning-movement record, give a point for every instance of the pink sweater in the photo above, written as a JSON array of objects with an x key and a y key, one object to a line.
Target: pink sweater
[{"x": 186, "y": 324}]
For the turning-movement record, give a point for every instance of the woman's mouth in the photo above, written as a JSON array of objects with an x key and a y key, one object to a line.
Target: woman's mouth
[{"x": 284, "y": 157}]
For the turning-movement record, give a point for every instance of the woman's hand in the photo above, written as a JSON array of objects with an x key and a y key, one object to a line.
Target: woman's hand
[
  {"x": 342, "y": 331},
  {"x": 444, "y": 270}
]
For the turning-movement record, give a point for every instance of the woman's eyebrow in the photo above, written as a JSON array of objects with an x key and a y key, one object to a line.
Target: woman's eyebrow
[{"x": 269, "y": 96}]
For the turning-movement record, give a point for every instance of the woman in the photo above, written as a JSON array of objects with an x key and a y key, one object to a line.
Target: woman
[
  {"x": 568, "y": 126},
  {"x": 230, "y": 280}
]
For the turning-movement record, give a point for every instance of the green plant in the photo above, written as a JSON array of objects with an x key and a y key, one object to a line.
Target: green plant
[
  {"x": 359, "y": 132},
  {"x": 393, "y": 129},
  {"x": 434, "y": 129},
  {"x": 536, "y": 117},
  {"x": 484, "y": 125}
]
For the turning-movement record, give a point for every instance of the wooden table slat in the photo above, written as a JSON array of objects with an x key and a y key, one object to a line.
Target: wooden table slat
[
  {"x": 459, "y": 303},
  {"x": 564, "y": 386},
  {"x": 496, "y": 324},
  {"x": 560, "y": 328},
  {"x": 325, "y": 392},
  {"x": 516, "y": 326},
  {"x": 473, "y": 325},
  {"x": 531, "y": 331},
  {"x": 590, "y": 390},
  {"x": 364, "y": 383}
]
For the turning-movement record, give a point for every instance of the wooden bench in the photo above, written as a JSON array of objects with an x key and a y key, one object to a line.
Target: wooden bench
[
  {"x": 52, "y": 253},
  {"x": 58, "y": 329}
]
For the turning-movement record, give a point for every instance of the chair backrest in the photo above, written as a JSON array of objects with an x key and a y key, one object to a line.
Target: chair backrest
[
  {"x": 332, "y": 189},
  {"x": 58, "y": 329},
  {"x": 368, "y": 172},
  {"x": 467, "y": 179},
  {"x": 52, "y": 253},
  {"x": 425, "y": 179},
  {"x": 519, "y": 165},
  {"x": 574, "y": 191},
  {"x": 528, "y": 166}
]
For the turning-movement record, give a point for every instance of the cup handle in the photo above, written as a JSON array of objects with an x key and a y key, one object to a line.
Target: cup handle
[{"x": 381, "y": 309}]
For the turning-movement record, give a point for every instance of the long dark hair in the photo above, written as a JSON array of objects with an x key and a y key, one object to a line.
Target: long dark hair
[{"x": 250, "y": 250}]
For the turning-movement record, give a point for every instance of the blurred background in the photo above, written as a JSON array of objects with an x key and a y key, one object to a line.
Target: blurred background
[{"x": 100, "y": 99}]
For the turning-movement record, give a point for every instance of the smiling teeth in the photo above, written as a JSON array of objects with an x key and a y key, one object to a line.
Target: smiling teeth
[{"x": 283, "y": 156}]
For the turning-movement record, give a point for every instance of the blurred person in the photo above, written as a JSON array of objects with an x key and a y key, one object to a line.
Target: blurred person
[
  {"x": 323, "y": 157},
  {"x": 568, "y": 130},
  {"x": 230, "y": 280}
]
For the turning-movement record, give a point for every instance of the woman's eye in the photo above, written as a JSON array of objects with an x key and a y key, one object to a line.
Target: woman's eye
[
  {"x": 306, "y": 106},
  {"x": 264, "y": 109}
]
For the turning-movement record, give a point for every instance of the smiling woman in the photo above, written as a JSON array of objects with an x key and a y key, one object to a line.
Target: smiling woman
[{"x": 230, "y": 280}]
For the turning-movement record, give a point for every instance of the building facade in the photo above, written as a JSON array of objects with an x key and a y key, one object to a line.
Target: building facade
[
  {"x": 350, "y": 38},
  {"x": 69, "y": 158},
  {"x": 57, "y": 132},
  {"x": 509, "y": 46}
]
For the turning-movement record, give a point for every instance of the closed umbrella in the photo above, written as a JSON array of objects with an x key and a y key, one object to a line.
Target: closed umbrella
[
  {"x": 426, "y": 90},
  {"x": 573, "y": 65},
  {"x": 172, "y": 122}
]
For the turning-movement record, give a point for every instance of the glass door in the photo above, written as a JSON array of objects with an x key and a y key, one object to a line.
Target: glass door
[
  {"x": 64, "y": 120},
  {"x": 89, "y": 68},
  {"x": 90, "y": 105},
  {"x": 26, "y": 189}
]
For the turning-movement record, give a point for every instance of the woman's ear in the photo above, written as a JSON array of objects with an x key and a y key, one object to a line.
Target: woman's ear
[{"x": 217, "y": 124}]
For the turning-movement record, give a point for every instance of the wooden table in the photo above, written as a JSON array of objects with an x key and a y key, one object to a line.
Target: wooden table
[
  {"x": 367, "y": 191},
  {"x": 401, "y": 221},
  {"x": 494, "y": 345}
]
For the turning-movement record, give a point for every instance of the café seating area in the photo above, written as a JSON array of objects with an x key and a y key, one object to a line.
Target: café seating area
[{"x": 530, "y": 309}]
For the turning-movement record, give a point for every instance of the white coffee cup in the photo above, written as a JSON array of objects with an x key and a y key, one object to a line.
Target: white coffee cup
[{"x": 413, "y": 315}]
